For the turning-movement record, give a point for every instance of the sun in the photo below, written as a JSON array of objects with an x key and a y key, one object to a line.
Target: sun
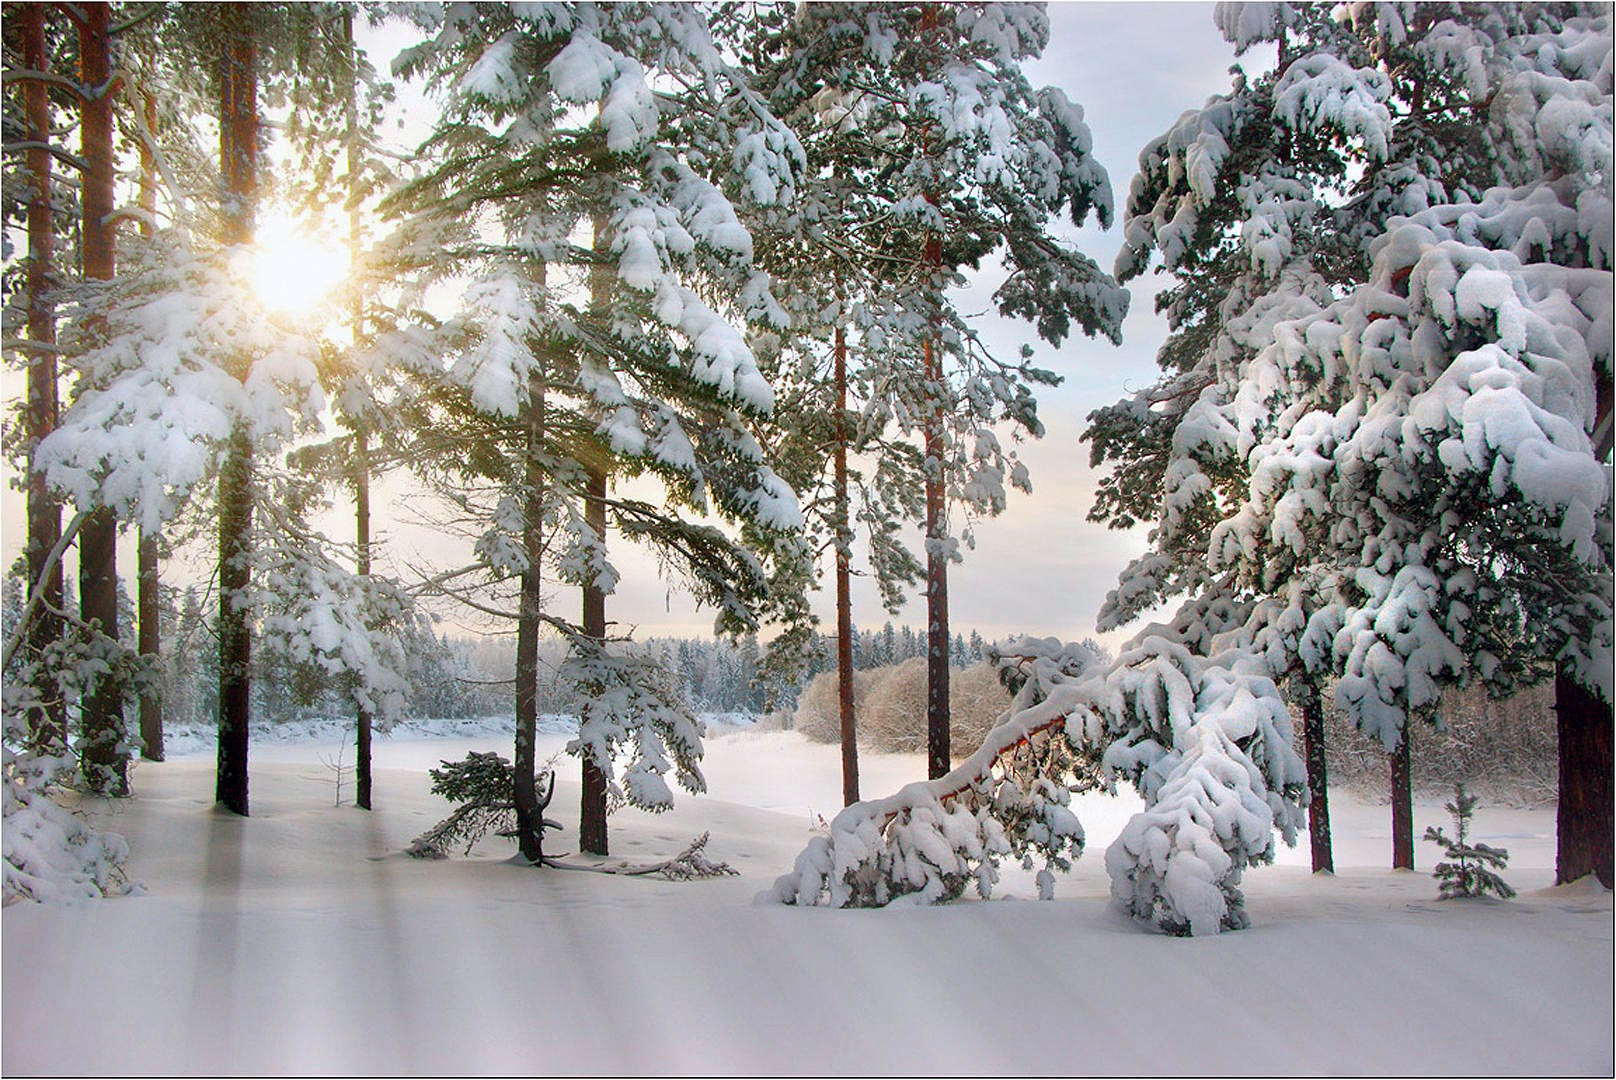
[{"x": 294, "y": 271}]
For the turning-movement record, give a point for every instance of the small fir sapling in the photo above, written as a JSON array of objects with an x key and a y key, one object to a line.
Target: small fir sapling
[
  {"x": 1469, "y": 871},
  {"x": 482, "y": 786}
]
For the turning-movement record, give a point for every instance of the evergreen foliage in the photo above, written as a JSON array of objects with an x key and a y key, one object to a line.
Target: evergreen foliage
[
  {"x": 1471, "y": 869},
  {"x": 481, "y": 785},
  {"x": 1369, "y": 455}
]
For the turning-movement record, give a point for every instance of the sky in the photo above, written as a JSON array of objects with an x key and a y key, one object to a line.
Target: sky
[{"x": 1039, "y": 568}]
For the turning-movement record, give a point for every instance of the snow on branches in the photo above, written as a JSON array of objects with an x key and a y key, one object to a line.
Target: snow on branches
[
  {"x": 630, "y": 703},
  {"x": 51, "y": 854},
  {"x": 1373, "y": 436},
  {"x": 1208, "y": 745},
  {"x": 172, "y": 354}
]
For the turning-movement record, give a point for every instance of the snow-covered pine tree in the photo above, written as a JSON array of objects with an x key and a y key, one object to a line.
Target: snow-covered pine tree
[
  {"x": 931, "y": 153},
  {"x": 342, "y": 169},
  {"x": 550, "y": 120},
  {"x": 192, "y": 379},
  {"x": 1207, "y": 741},
  {"x": 1235, "y": 197},
  {"x": 1339, "y": 487}
]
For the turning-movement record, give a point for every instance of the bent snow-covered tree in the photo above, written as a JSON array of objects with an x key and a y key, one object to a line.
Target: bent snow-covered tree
[{"x": 1207, "y": 742}]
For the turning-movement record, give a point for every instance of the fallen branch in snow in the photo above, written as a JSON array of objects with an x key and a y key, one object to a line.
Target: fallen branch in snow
[{"x": 688, "y": 865}]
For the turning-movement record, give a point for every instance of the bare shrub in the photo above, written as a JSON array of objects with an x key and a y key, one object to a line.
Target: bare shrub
[
  {"x": 779, "y": 720},
  {"x": 895, "y": 718},
  {"x": 976, "y": 700},
  {"x": 1505, "y": 751},
  {"x": 892, "y": 714},
  {"x": 819, "y": 711}
]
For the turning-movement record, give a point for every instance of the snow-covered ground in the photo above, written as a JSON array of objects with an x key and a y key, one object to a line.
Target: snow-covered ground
[{"x": 302, "y": 941}]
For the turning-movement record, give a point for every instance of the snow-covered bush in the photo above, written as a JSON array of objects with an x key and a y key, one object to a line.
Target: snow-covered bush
[
  {"x": 935, "y": 838},
  {"x": 629, "y": 704},
  {"x": 51, "y": 854}
]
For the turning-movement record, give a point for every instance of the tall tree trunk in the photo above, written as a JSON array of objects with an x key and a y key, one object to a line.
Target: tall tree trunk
[
  {"x": 48, "y": 728},
  {"x": 1584, "y": 722},
  {"x": 844, "y": 590},
  {"x": 592, "y": 835},
  {"x": 1584, "y": 817},
  {"x": 938, "y": 757},
  {"x": 1403, "y": 802},
  {"x": 148, "y": 601},
  {"x": 362, "y": 718},
  {"x": 1318, "y": 781},
  {"x": 529, "y": 827},
  {"x": 238, "y": 154},
  {"x": 105, "y": 759},
  {"x": 592, "y": 831},
  {"x": 148, "y": 605}
]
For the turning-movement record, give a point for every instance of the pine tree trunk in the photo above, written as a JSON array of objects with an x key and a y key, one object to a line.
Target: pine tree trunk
[
  {"x": 592, "y": 830},
  {"x": 361, "y": 435},
  {"x": 149, "y": 610},
  {"x": 938, "y": 757},
  {"x": 1403, "y": 803},
  {"x": 48, "y": 728},
  {"x": 235, "y": 631},
  {"x": 592, "y": 810},
  {"x": 1318, "y": 782},
  {"x": 362, "y": 717},
  {"x": 1584, "y": 817},
  {"x": 105, "y": 760},
  {"x": 238, "y": 155},
  {"x": 523, "y": 767},
  {"x": 844, "y": 588},
  {"x": 148, "y": 601}
]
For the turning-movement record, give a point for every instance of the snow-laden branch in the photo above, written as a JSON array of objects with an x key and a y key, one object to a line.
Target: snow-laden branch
[
  {"x": 1206, "y": 742},
  {"x": 37, "y": 593}
]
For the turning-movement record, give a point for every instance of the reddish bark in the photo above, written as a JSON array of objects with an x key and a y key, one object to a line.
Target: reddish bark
[
  {"x": 1318, "y": 781},
  {"x": 148, "y": 600},
  {"x": 592, "y": 831},
  {"x": 44, "y": 514},
  {"x": 105, "y": 760},
  {"x": 844, "y": 588},
  {"x": 939, "y": 759},
  {"x": 592, "y": 835}
]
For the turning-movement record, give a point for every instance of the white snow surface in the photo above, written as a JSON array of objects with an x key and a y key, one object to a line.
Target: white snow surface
[{"x": 302, "y": 941}]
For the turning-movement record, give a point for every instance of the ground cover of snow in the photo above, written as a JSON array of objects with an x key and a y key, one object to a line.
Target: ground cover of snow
[{"x": 302, "y": 941}]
